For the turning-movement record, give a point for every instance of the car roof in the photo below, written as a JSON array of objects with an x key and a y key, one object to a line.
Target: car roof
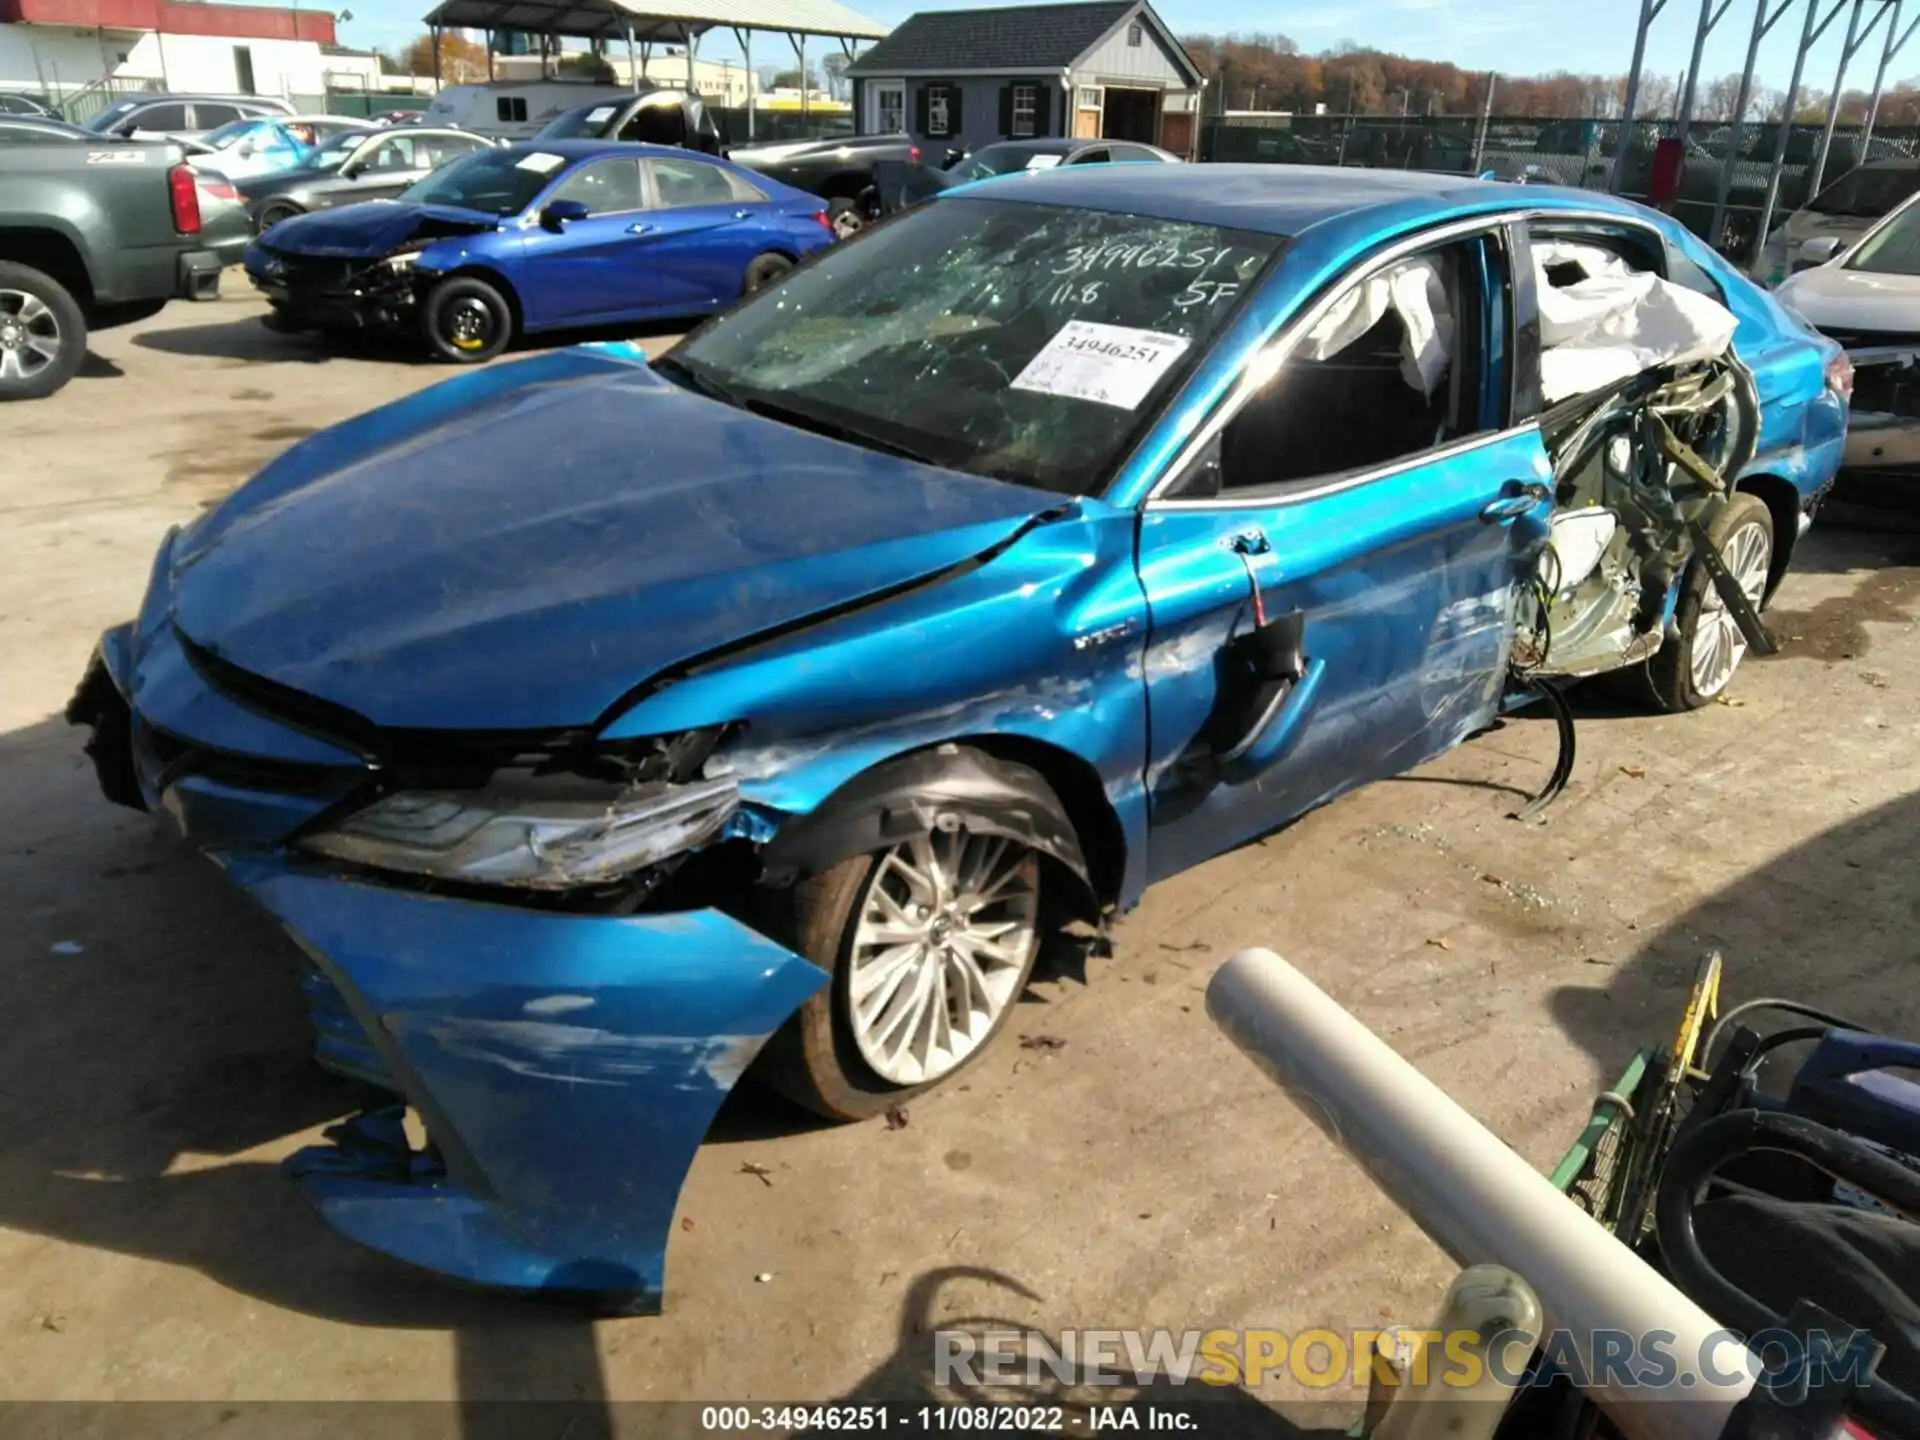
[
  {"x": 1276, "y": 199},
  {"x": 583, "y": 149}
]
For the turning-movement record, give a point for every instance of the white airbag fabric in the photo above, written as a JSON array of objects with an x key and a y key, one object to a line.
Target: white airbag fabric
[
  {"x": 1416, "y": 291},
  {"x": 1617, "y": 322}
]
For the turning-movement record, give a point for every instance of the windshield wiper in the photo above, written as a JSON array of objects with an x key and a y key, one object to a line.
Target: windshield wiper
[
  {"x": 700, "y": 381},
  {"x": 832, "y": 429}
]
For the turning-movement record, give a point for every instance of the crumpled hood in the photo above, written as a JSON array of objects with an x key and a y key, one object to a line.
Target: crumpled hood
[
  {"x": 1833, "y": 297},
  {"x": 519, "y": 548},
  {"x": 371, "y": 228}
]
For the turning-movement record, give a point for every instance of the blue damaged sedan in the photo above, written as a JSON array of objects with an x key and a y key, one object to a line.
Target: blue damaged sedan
[{"x": 600, "y": 729}]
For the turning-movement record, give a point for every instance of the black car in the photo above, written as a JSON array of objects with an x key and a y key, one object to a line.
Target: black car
[
  {"x": 21, "y": 105},
  {"x": 904, "y": 184},
  {"x": 39, "y": 130},
  {"x": 360, "y": 165},
  {"x": 652, "y": 117},
  {"x": 843, "y": 170}
]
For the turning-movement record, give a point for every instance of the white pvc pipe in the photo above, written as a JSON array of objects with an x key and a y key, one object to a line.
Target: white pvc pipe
[{"x": 1478, "y": 1200}]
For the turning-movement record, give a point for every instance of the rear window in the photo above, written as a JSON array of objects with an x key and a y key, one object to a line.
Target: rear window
[{"x": 1867, "y": 193}]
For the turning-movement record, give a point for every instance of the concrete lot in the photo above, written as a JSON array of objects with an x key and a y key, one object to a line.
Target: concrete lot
[{"x": 1139, "y": 1174}]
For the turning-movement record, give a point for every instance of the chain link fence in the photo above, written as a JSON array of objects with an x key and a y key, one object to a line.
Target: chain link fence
[{"x": 1584, "y": 153}]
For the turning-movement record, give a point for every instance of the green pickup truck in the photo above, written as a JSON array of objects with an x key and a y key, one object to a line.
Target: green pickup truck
[{"x": 92, "y": 233}]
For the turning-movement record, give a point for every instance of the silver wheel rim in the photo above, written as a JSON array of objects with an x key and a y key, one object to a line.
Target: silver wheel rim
[
  {"x": 946, "y": 928},
  {"x": 1718, "y": 644},
  {"x": 29, "y": 335}
]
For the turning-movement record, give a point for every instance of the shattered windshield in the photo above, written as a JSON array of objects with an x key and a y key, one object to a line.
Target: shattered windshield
[
  {"x": 498, "y": 182},
  {"x": 1025, "y": 342},
  {"x": 1867, "y": 193},
  {"x": 1893, "y": 249}
]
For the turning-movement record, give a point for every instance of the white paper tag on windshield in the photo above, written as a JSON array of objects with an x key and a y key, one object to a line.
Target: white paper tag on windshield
[
  {"x": 1110, "y": 364},
  {"x": 599, "y": 114},
  {"x": 1042, "y": 162},
  {"x": 540, "y": 162}
]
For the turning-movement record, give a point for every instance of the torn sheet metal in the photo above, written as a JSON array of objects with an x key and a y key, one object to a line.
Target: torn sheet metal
[
  {"x": 1616, "y": 322},
  {"x": 1415, "y": 291},
  {"x": 565, "y": 1082}
]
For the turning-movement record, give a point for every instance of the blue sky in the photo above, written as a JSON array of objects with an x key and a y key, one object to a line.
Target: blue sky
[{"x": 1514, "y": 36}]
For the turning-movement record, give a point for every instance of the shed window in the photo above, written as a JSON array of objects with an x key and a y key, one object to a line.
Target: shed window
[
  {"x": 1089, "y": 97},
  {"x": 1024, "y": 97},
  {"x": 937, "y": 122},
  {"x": 1133, "y": 36},
  {"x": 511, "y": 108}
]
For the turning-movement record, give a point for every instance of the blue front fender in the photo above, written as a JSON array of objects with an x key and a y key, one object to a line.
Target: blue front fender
[{"x": 566, "y": 1067}]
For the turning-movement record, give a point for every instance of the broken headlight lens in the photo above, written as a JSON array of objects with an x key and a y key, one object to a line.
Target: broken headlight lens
[
  {"x": 405, "y": 260},
  {"x": 538, "y": 844}
]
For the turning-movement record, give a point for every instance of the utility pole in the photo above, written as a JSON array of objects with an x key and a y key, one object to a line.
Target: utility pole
[{"x": 1486, "y": 115}]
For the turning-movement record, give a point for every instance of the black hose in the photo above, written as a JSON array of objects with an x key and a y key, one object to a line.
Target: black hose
[{"x": 1767, "y": 1002}]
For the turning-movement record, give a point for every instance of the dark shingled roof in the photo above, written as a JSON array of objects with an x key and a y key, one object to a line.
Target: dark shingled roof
[{"x": 1041, "y": 37}]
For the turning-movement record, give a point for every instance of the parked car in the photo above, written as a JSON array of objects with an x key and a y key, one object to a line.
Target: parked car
[
  {"x": 1836, "y": 218},
  {"x": 601, "y": 727},
  {"x": 907, "y": 184},
  {"x": 39, "y": 130},
  {"x": 20, "y": 105},
  {"x": 652, "y": 117},
  {"x": 1868, "y": 299},
  {"x": 91, "y": 235},
  {"x": 841, "y": 171},
  {"x": 375, "y": 165},
  {"x": 268, "y": 144},
  {"x": 165, "y": 116},
  {"x": 504, "y": 243},
  {"x": 516, "y": 109}
]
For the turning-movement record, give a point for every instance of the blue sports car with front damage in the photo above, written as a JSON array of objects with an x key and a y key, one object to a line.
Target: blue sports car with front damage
[
  {"x": 557, "y": 235},
  {"x": 600, "y": 729}
]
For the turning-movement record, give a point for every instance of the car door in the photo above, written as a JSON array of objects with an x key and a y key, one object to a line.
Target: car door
[
  {"x": 704, "y": 229},
  {"x": 1366, "y": 492},
  {"x": 155, "y": 122},
  {"x": 594, "y": 269}
]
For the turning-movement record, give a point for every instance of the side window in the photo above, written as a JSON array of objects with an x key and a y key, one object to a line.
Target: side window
[
  {"x": 1098, "y": 155},
  {"x": 390, "y": 155},
  {"x": 1682, "y": 270},
  {"x": 606, "y": 187},
  {"x": 437, "y": 150},
  {"x": 1134, "y": 154},
  {"x": 210, "y": 117},
  {"x": 688, "y": 182},
  {"x": 656, "y": 125},
  {"x": 1394, "y": 367},
  {"x": 161, "y": 117},
  {"x": 511, "y": 108}
]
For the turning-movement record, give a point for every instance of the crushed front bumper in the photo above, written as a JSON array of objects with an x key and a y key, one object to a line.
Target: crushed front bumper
[
  {"x": 339, "y": 295},
  {"x": 566, "y": 1066}
]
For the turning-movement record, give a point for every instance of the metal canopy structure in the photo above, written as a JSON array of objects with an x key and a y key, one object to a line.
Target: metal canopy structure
[
  {"x": 642, "y": 24},
  {"x": 1819, "y": 17}
]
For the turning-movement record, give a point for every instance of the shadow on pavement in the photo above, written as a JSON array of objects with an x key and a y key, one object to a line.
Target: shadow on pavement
[
  {"x": 249, "y": 338},
  {"x": 1832, "y": 922}
]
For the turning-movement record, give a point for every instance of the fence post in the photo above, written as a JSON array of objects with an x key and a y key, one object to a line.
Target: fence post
[
  {"x": 1480, "y": 135},
  {"x": 1819, "y": 171},
  {"x": 1808, "y": 34}
]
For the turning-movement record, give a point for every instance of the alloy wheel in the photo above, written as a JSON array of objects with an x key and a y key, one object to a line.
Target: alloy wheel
[
  {"x": 1718, "y": 644},
  {"x": 29, "y": 335},
  {"x": 849, "y": 222},
  {"x": 944, "y": 934}
]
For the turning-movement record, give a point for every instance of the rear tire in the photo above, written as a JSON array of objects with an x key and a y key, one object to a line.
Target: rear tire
[
  {"x": 847, "y": 216},
  {"x": 764, "y": 270},
  {"x": 466, "y": 320},
  {"x": 1700, "y": 660},
  {"x": 273, "y": 213},
  {"x": 43, "y": 335}
]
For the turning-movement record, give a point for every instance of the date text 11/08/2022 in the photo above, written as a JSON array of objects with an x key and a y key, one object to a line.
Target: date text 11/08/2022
[{"x": 914, "y": 1419}]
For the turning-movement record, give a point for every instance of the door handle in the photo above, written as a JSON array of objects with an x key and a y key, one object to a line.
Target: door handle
[
  {"x": 1513, "y": 506},
  {"x": 640, "y": 228},
  {"x": 741, "y": 214}
]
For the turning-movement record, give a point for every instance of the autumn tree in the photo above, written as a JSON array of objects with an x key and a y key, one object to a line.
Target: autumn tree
[{"x": 461, "y": 61}]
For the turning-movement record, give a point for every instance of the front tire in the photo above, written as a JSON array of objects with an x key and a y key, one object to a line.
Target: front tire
[
  {"x": 43, "y": 335},
  {"x": 466, "y": 320},
  {"x": 1698, "y": 663},
  {"x": 272, "y": 215},
  {"x": 764, "y": 270},
  {"x": 930, "y": 944}
]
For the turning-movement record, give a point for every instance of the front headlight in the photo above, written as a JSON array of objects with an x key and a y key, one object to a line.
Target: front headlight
[
  {"x": 535, "y": 843},
  {"x": 406, "y": 260}
]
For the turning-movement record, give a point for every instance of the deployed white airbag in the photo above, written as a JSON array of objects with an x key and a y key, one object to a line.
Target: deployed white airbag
[
  {"x": 1416, "y": 291},
  {"x": 1617, "y": 321}
]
